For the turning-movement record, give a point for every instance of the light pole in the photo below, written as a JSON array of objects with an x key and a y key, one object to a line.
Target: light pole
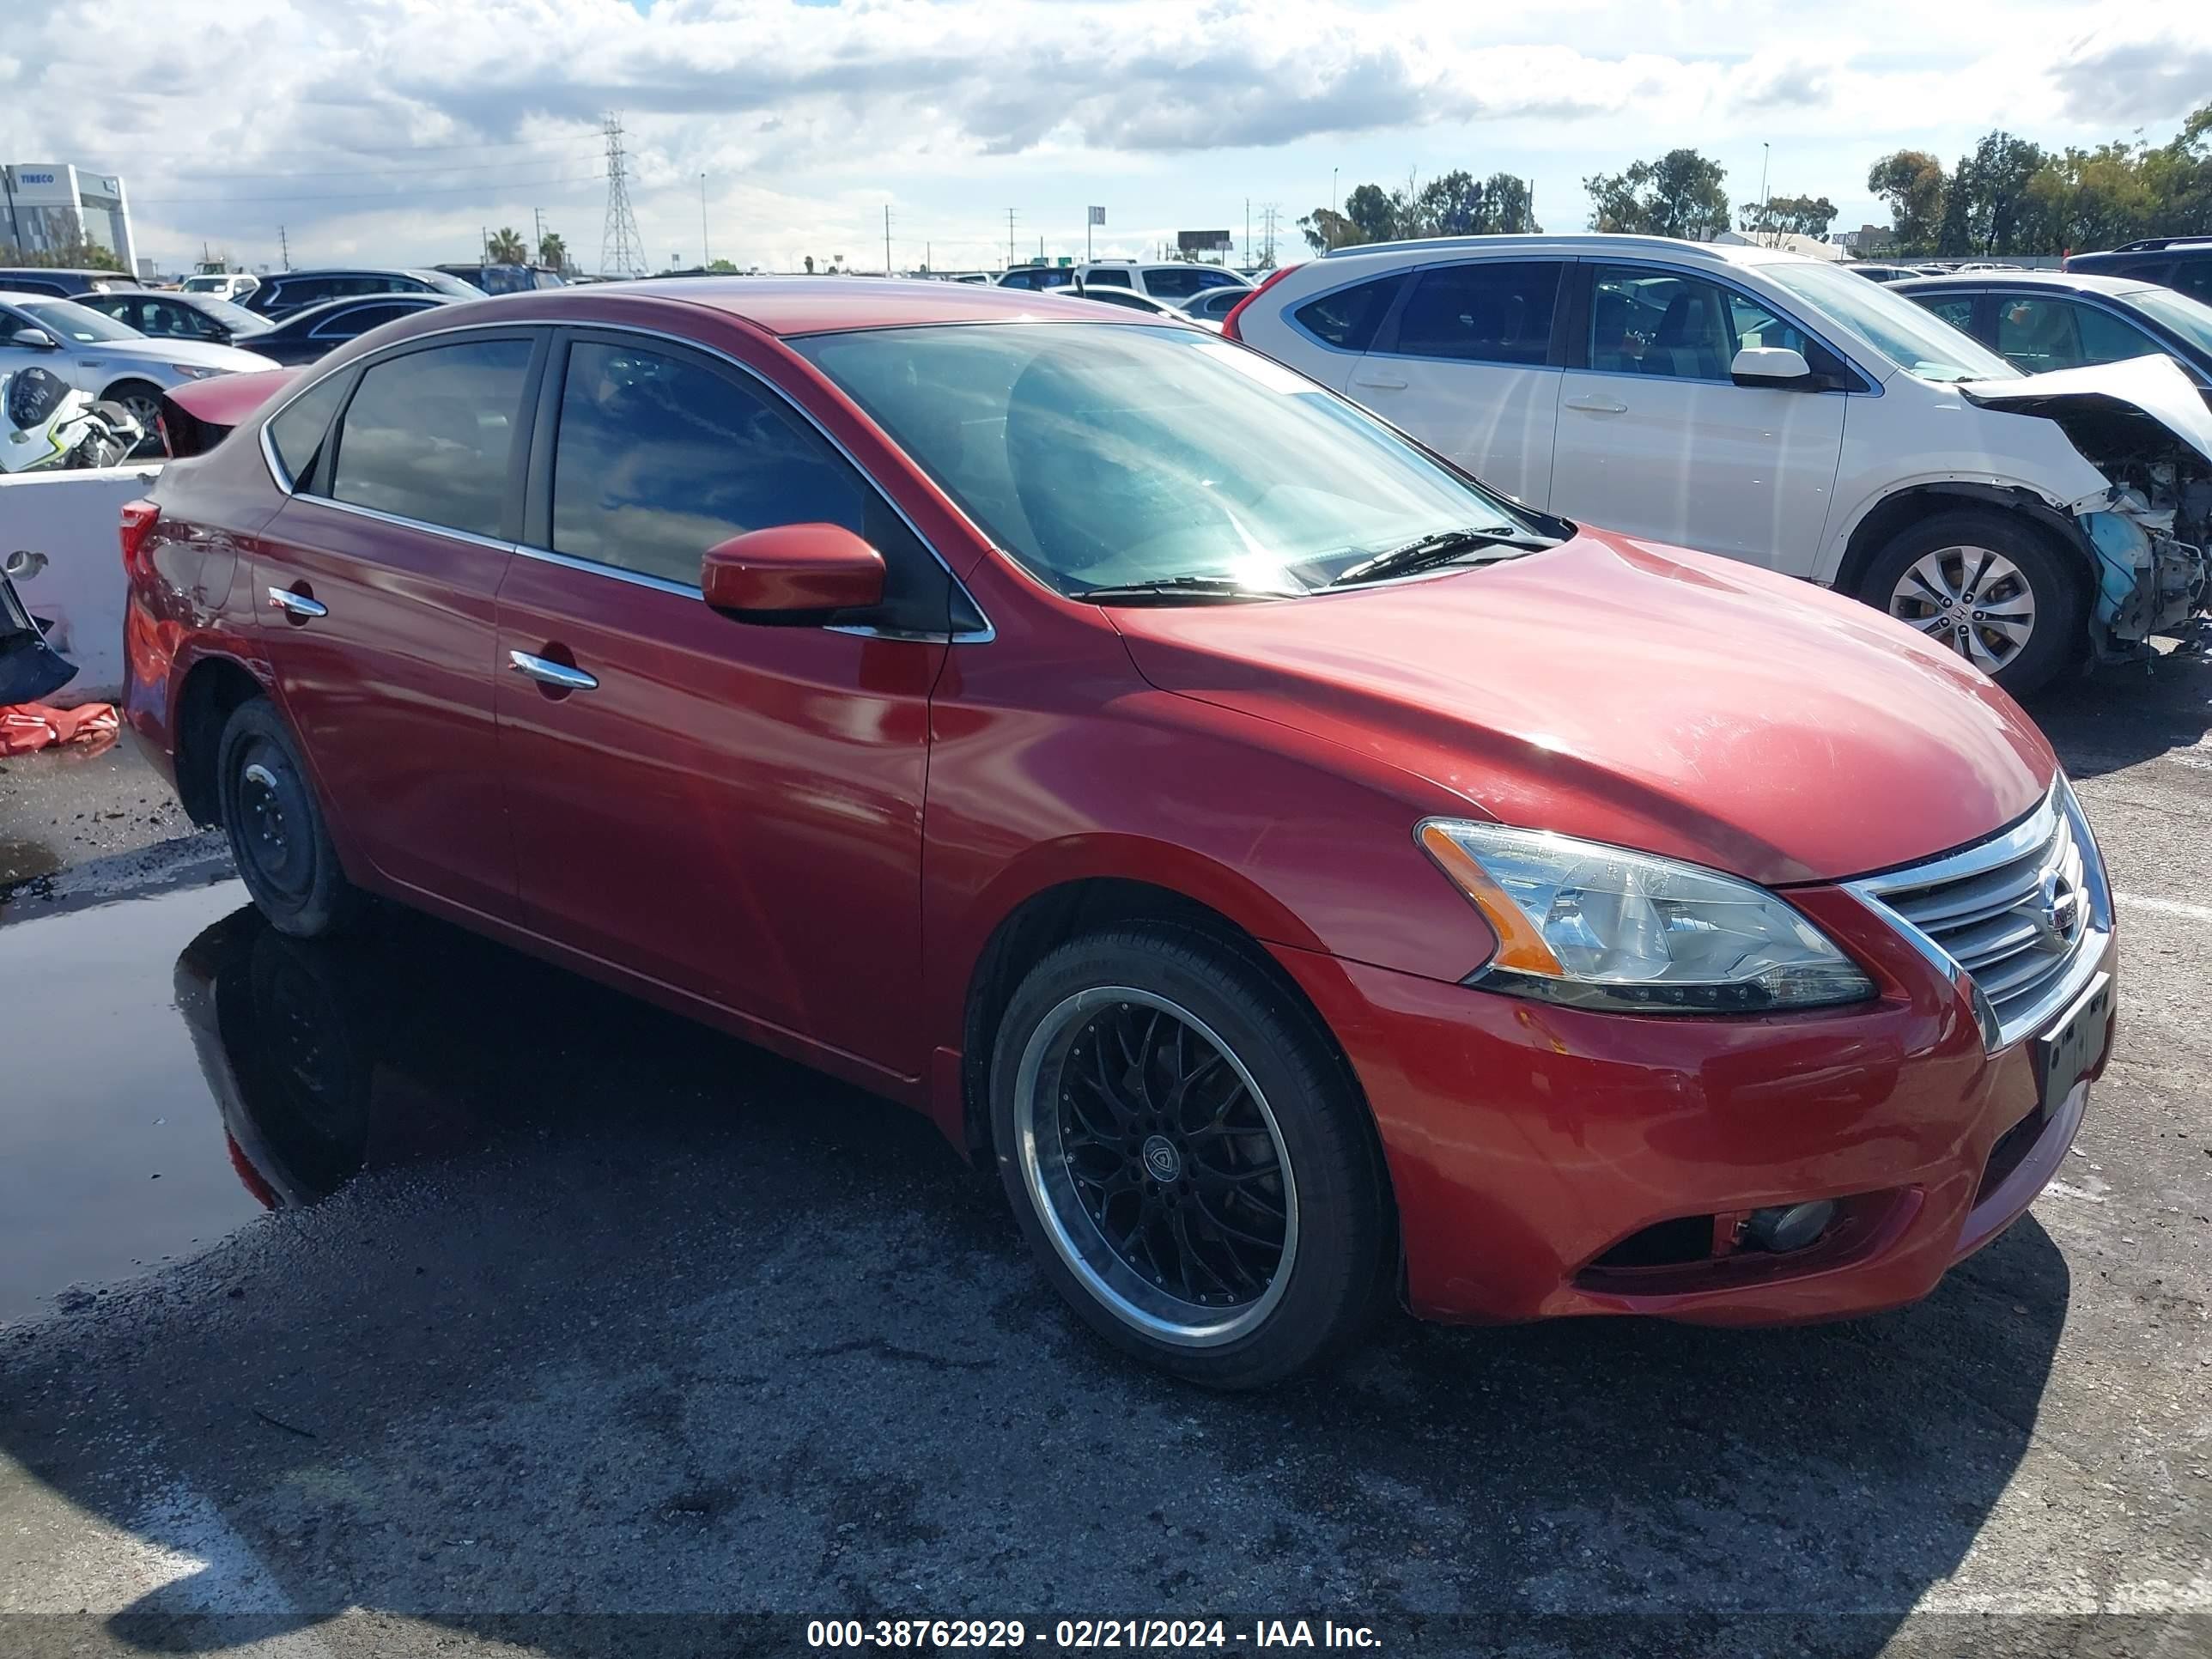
[
  {"x": 705, "y": 254},
  {"x": 1765, "y": 155},
  {"x": 1332, "y": 207}
]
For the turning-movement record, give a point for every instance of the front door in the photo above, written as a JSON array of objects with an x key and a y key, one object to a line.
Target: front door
[
  {"x": 1655, "y": 438},
  {"x": 376, "y": 583},
  {"x": 1467, "y": 368},
  {"x": 730, "y": 809}
]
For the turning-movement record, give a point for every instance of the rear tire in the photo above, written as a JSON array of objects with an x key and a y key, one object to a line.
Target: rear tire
[
  {"x": 1988, "y": 585},
  {"x": 1187, "y": 1157},
  {"x": 277, "y": 832}
]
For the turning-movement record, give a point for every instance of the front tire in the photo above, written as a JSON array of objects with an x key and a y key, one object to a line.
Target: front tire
[
  {"x": 1989, "y": 587},
  {"x": 1187, "y": 1157},
  {"x": 142, "y": 399},
  {"x": 277, "y": 833}
]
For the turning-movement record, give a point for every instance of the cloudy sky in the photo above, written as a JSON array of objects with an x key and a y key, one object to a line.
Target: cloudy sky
[{"x": 394, "y": 130}]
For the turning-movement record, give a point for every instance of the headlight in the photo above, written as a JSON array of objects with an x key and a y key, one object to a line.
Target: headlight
[
  {"x": 1600, "y": 926},
  {"x": 192, "y": 371}
]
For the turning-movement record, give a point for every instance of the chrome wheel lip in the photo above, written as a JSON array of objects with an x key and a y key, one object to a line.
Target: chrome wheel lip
[
  {"x": 1956, "y": 610},
  {"x": 1076, "y": 1238}
]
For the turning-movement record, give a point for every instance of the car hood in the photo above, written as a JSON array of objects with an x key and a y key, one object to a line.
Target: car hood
[
  {"x": 1635, "y": 694},
  {"x": 2145, "y": 402},
  {"x": 198, "y": 353}
]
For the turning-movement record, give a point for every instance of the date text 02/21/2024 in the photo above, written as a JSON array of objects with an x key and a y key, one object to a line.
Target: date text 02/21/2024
[{"x": 1085, "y": 1634}]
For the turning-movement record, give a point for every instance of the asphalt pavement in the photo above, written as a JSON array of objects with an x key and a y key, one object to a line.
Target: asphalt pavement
[{"x": 409, "y": 1297}]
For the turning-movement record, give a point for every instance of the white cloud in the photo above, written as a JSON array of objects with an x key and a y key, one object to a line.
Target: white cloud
[{"x": 231, "y": 116}]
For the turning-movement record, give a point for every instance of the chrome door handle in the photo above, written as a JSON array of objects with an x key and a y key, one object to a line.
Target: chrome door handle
[
  {"x": 1597, "y": 405},
  {"x": 1380, "y": 384},
  {"x": 299, "y": 605},
  {"x": 546, "y": 671}
]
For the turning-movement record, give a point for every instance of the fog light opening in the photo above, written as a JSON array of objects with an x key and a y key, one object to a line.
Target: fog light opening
[{"x": 1785, "y": 1227}]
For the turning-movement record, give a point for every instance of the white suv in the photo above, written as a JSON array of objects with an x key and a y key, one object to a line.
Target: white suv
[
  {"x": 1782, "y": 410},
  {"x": 1171, "y": 280}
]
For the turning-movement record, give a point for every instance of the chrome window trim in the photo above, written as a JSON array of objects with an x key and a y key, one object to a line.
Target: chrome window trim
[
  {"x": 2023, "y": 837},
  {"x": 982, "y": 636},
  {"x": 406, "y": 523}
]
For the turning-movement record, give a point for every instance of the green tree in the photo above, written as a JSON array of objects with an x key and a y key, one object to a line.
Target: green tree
[
  {"x": 1505, "y": 205},
  {"x": 1912, "y": 181},
  {"x": 1325, "y": 228},
  {"x": 1989, "y": 189},
  {"x": 1681, "y": 194},
  {"x": 810, "y": 264},
  {"x": 507, "y": 247},
  {"x": 723, "y": 267},
  {"x": 1788, "y": 215},
  {"x": 552, "y": 251},
  {"x": 1449, "y": 204},
  {"x": 1372, "y": 212}
]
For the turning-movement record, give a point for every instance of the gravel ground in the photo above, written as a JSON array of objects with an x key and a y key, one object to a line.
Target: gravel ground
[{"x": 626, "y": 1331}]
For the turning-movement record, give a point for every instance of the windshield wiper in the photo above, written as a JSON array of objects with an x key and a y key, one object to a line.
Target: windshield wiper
[
  {"x": 1439, "y": 547},
  {"x": 1182, "y": 588}
]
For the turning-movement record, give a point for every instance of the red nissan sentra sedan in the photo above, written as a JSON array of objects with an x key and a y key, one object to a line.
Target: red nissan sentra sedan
[{"x": 1307, "y": 875}]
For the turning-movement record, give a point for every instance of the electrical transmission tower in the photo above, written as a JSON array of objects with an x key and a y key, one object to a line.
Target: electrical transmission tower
[{"x": 622, "y": 250}]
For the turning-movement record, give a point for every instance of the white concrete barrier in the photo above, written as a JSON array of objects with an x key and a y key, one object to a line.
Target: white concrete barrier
[{"x": 63, "y": 526}]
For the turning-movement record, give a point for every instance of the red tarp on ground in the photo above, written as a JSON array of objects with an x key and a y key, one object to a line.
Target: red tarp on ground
[{"x": 26, "y": 726}]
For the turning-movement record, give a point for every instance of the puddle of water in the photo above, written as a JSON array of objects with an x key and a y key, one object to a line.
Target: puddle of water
[
  {"x": 100, "y": 1093},
  {"x": 180, "y": 1036}
]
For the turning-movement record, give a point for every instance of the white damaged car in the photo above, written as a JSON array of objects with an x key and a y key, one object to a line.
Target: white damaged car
[{"x": 1786, "y": 411}]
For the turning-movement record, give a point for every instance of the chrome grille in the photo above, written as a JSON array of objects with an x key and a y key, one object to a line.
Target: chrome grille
[{"x": 2022, "y": 914}]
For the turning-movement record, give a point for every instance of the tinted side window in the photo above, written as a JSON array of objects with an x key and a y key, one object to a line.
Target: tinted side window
[
  {"x": 429, "y": 435},
  {"x": 1651, "y": 322},
  {"x": 295, "y": 296},
  {"x": 659, "y": 456},
  {"x": 1348, "y": 318},
  {"x": 2035, "y": 333},
  {"x": 1172, "y": 282},
  {"x": 1490, "y": 312},
  {"x": 357, "y": 320},
  {"x": 2108, "y": 339},
  {"x": 1107, "y": 279},
  {"x": 2194, "y": 278},
  {"x": 296, "y": 433},
  {"x": 1956, "y": 309}
]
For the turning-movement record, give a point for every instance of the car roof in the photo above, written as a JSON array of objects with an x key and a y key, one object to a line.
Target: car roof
[
  {"x": 1567, "y": 242},
  {"x": 421, "y": 272},
  {"x": 791, "y": 305},
  {"x": 20, "y": 297},
  {"x": 85, "y": 273},
  {"x": 347, "y": 301},
  {"x": 2085, "y": 282}
]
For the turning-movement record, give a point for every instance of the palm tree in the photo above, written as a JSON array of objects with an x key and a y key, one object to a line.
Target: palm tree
[
  {"x": 507, "y": 247},
  {"x": 552, "y": 251}
]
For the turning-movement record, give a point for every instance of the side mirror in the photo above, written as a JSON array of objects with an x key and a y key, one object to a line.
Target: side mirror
[
  {"x": 36, "y": 339},
  {"x": 1776, "y": 367},
  {"x": 790, "y": 572}
]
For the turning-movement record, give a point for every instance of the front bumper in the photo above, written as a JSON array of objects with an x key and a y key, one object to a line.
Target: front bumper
[{"x": 1527, "y": 1141}]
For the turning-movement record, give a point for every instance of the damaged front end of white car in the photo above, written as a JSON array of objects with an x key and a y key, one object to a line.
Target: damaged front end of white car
[{"x": 2147, "y": 429}]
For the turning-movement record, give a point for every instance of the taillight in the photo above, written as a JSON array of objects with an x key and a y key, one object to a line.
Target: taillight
[
  {"x": 139, "y": 519},
  {"x": 1229, "y": 323}
]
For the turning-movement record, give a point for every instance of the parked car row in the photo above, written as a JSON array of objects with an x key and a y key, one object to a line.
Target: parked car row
[
  {"x": 1779, "y": 410},
  {"x": 1311, "y": 876}
]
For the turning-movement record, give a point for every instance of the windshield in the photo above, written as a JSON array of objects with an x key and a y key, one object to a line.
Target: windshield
[
  {"x": 1104, "y": 455},
  {"x": 237, "y": 318},
  {"x": 1917, "y": 341},
  {"x": 76, "y": 322},
  {"x": 2191, "y": 319}
]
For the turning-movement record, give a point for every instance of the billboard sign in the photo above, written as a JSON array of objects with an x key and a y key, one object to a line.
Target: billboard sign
[{"x": 1204, "y": 242}]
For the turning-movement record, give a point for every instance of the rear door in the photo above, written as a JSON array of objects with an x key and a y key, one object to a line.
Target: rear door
[
  {"x": 377, "y": 583},
  {"x": 1466, "y": 364},
  {"x": 729, "y": 809},
  {"x": 1656, "y": 440}
]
